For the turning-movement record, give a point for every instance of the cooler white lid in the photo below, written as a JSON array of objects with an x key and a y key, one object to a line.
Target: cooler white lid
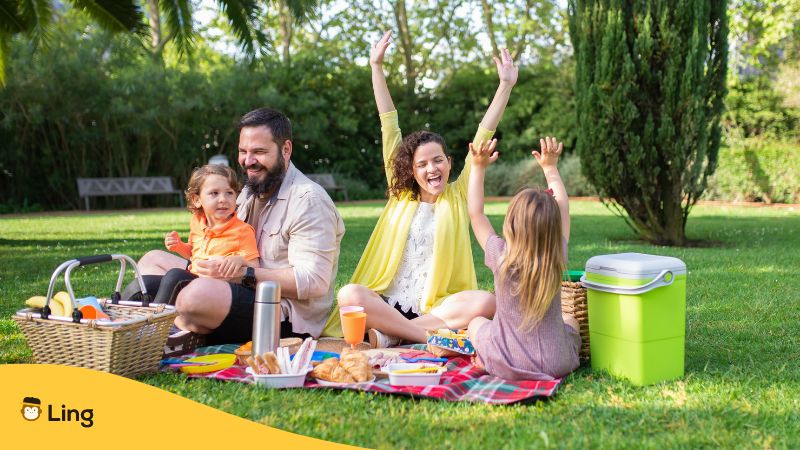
[{"x": 635, "y": 264}]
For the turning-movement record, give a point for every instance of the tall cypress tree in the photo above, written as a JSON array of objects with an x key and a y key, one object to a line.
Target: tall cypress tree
[{"x": 650, "y": 84}]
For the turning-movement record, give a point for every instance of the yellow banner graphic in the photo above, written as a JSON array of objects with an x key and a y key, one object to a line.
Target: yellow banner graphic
[{"x": 49, "y": 406}]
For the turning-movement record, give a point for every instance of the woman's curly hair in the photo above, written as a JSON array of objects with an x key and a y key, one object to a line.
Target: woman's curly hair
[{"x": 402, "y": 163}]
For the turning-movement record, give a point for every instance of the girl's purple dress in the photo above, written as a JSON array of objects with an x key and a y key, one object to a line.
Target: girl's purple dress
[{"x": 548, "y": 350}]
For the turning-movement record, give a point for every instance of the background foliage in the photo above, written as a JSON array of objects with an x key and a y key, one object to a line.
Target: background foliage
[{"x": 95, "y": 104}]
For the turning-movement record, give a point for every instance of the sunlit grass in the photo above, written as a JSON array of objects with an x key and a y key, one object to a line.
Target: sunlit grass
[{"x": 742, "y": 381}]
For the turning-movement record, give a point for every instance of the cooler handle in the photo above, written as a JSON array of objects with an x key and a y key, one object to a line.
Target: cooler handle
[{"x": 665, "y": 278}]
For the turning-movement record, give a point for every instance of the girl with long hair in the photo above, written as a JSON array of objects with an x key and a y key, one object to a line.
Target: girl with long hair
[{"x": 528, "y": 339}]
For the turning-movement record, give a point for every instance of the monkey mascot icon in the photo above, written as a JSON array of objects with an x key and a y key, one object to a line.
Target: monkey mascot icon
[{"x": 31, "y": 408}]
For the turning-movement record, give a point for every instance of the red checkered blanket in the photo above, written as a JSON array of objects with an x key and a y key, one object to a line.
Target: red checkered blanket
[{"x": 461, "y": 382}]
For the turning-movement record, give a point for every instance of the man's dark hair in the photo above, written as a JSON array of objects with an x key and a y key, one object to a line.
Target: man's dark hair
[{"x": 276, "y": 121}]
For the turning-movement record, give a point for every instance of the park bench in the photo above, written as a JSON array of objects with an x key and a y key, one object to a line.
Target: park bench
[
  {"x": 138, "y": 186},
  {"x": 326, "y": 181}
]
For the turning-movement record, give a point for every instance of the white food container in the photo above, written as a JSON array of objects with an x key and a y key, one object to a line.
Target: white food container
[
  {"x": 279, "y": 380},
  {"x": 413, "y": 379}
]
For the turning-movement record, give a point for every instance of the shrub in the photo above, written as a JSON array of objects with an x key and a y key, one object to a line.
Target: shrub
[
  {"x": 757, "y": 171},
  {"x": 357, "y": 189},
  {"x": 650, "y": 80},
  {"x": 506, "y": 178}
]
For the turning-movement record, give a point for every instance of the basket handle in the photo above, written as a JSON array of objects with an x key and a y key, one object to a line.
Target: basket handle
[
  {"x": 96, "y": 259},
  {"x": 67, "y": 267}
]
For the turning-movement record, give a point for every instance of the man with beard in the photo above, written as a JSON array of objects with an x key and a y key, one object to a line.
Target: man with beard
[{"x": 298, "y": 232}]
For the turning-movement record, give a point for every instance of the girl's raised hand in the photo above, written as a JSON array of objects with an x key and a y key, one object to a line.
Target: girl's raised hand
[
  {"x": 506, "y": 69},
  {"x": 379, "y": 49},
  {"x": 550, "y": 151},
  {"x": 485, "y": 154}
]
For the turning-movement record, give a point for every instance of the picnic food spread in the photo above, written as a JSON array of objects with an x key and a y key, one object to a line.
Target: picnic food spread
[
  {"x": 353, "y": 367},
  {"x": 281, "y": 362},
  {"x": 379, "y": 360}
]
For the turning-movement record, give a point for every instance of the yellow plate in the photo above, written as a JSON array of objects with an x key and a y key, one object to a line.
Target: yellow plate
[{"x": 220, "y": 361}]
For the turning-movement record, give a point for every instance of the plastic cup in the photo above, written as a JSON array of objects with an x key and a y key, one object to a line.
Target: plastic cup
[
  {"x": 347, "y": 309},
  {"x": 353, "y": 326}
]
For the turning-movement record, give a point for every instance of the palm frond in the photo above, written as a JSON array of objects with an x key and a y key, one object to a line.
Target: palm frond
[
  {"x": 10, "y": 19},
  {"x": 243, "y": 17},
  {"x": 38, "y": 14},
  {"x": 302, "y": 10},
  {"x": 178, "y": 14},
  {"x": 114, "y": 15},
  {"x": 4, "y": 38}
]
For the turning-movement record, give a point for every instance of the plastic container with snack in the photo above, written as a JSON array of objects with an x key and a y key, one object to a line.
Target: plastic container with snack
[
  {"x": 247, "y": 349},
  {"x": 279, "y": 380},
  {"x": 414, "y": 374}
]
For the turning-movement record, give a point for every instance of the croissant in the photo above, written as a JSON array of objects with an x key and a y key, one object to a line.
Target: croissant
[
  {"x": 354, "y": 355},
  {"x": 356, "y": 364},
  {"x": 341, "y": 375},
  {"x": 323, "y": 370},
  {"x": 360, "y": 372}
]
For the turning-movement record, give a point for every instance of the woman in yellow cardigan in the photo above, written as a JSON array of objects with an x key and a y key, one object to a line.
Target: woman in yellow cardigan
[{"x": 416, "y": 272}]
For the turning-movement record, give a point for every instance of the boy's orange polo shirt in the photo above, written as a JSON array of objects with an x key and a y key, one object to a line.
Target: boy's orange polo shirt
[{"x": 234, "y": 237}]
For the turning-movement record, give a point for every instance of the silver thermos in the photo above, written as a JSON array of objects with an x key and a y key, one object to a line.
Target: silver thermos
[{"x": 267, "y": 318}]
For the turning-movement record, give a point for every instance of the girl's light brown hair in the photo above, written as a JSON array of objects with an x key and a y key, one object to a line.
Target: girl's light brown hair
[
  {"x": 533, "y": 262},
  {"x": 199, "y": 177}
]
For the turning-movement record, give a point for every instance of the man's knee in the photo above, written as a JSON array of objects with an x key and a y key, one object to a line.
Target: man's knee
[
  {"x": 351, "y": 295},
  {"x": 192, "y": 299}
]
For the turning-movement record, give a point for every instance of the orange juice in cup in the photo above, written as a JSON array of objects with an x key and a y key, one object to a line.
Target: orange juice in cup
[
  {"x": 353, "y": 326},
  {"x": 347, "y": 309}
]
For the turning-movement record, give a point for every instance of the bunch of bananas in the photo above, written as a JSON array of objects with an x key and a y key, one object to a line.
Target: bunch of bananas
[{"x": 60, "y": 305}]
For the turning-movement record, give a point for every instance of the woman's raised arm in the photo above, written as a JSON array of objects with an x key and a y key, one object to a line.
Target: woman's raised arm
[
  {"x": 508, "y": 73},
  {"x": 382, "y": 96}
]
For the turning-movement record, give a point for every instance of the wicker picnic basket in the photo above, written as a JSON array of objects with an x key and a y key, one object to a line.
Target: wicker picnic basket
[
  {"x": 573, "y": 302},
  {"x": 129, "y": 344}
]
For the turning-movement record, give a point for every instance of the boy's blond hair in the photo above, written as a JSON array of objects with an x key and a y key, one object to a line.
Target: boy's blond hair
[
  {"x": 533, "y": 263},
  {"x": 199, "y": 176}
]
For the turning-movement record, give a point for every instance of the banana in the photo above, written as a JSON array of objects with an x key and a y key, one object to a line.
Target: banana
[
  {"x": 60, "y": 305},
  {"x": 66, "y": 304},
  {"x": 37, "y": 301}
]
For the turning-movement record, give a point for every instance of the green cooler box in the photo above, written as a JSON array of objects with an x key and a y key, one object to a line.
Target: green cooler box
[{"x": 637, "y": 315}]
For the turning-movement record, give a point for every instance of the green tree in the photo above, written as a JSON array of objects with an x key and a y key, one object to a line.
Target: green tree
[
  {"x": 650, "y": 83},
  {"x": 34, "y": 18},
  {"x": 166, "y": 21},
  {"x": 764, "y": 98}
]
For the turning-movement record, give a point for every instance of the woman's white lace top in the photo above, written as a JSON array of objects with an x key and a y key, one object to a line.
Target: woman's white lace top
[{"x": 407, "y": 287}]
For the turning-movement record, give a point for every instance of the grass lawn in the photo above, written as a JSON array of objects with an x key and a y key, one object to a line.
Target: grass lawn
[{"x": 742, "y": 383}]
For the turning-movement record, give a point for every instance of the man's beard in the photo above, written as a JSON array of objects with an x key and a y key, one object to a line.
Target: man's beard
[{"x": 272, "y": 179}]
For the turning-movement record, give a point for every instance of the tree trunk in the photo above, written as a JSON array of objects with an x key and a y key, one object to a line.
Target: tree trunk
[
  {"x": 286, "y": 30},
  {"x": 487, "y": 20},
  {"x": 156, "y": 37},
  {"x": 406, "y": 46}
]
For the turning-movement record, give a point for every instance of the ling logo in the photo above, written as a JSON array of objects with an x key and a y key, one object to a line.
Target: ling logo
[{"x": 31, "y": 408}]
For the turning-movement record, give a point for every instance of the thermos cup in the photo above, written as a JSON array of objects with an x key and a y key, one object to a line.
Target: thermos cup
[{"x": 267, "y": 318}]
